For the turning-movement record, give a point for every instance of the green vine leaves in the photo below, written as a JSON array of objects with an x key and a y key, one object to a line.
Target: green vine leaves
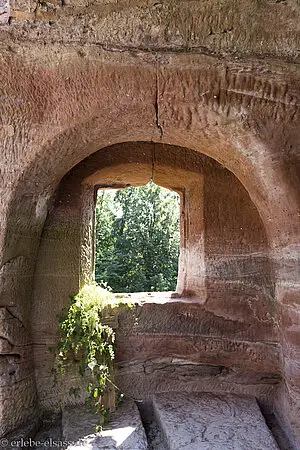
[{"x": 84, "y": 338}]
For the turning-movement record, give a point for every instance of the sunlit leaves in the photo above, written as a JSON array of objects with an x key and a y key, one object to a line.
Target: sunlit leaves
[
  {"x": 87, "y": 341},
  {"x": 137, "y": 238}
]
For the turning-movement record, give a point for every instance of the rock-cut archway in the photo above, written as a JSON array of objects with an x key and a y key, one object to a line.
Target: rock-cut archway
[
  {"x": 222, "y": 327},
  {"x": 234, "y": 114}
]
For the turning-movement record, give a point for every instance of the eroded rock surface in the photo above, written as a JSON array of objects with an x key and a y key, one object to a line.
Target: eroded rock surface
[
  {"x": 123, "y": 432},
  {"x": 204, "y": 421},
  {"x": 214, "y": 87}
]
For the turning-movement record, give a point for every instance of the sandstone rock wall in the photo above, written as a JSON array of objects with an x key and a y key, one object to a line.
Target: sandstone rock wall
[
  {"x": 220, "y": 79},
  {"x": 234, "y": 325}
]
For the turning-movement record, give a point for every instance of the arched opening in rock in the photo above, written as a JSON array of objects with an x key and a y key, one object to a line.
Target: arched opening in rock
[
  {"x": 220, "y": 332},
  {"x": 137, "y": 239},
  {"x": 240, "y": 219}
]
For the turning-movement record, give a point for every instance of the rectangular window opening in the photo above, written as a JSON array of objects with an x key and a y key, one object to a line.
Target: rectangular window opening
[{"x": 137, "y": 240}]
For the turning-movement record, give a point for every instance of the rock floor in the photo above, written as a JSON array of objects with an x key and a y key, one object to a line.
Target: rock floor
[
  {"x": 170, "y": 421},
  {"x": 205, "y": 421}
]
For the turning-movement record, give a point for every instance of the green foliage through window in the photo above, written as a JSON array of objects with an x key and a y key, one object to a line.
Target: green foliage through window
[{"x": 137, "y": 239}]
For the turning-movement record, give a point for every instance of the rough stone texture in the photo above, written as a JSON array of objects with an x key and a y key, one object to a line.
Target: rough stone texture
[
  {"x": 124, "y": 430},
  {"x": 208, "y": 421},
  {"x": 17, "y": 387},
  {"x": 218, "y": 78},
  {"x": 179, "y": 345},
  {"x": 175, "y": 26},
  {"x": 224, "y": 320},
  {"x": 4, "y": 11}
]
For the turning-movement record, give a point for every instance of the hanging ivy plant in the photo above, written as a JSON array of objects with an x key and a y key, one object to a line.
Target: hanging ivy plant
[{"x": 84, "y": 338}]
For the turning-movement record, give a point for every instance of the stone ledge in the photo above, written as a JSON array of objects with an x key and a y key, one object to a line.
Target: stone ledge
[
  {"x": 123, "y": 432},
  {"x": 217, "y": 422}
]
